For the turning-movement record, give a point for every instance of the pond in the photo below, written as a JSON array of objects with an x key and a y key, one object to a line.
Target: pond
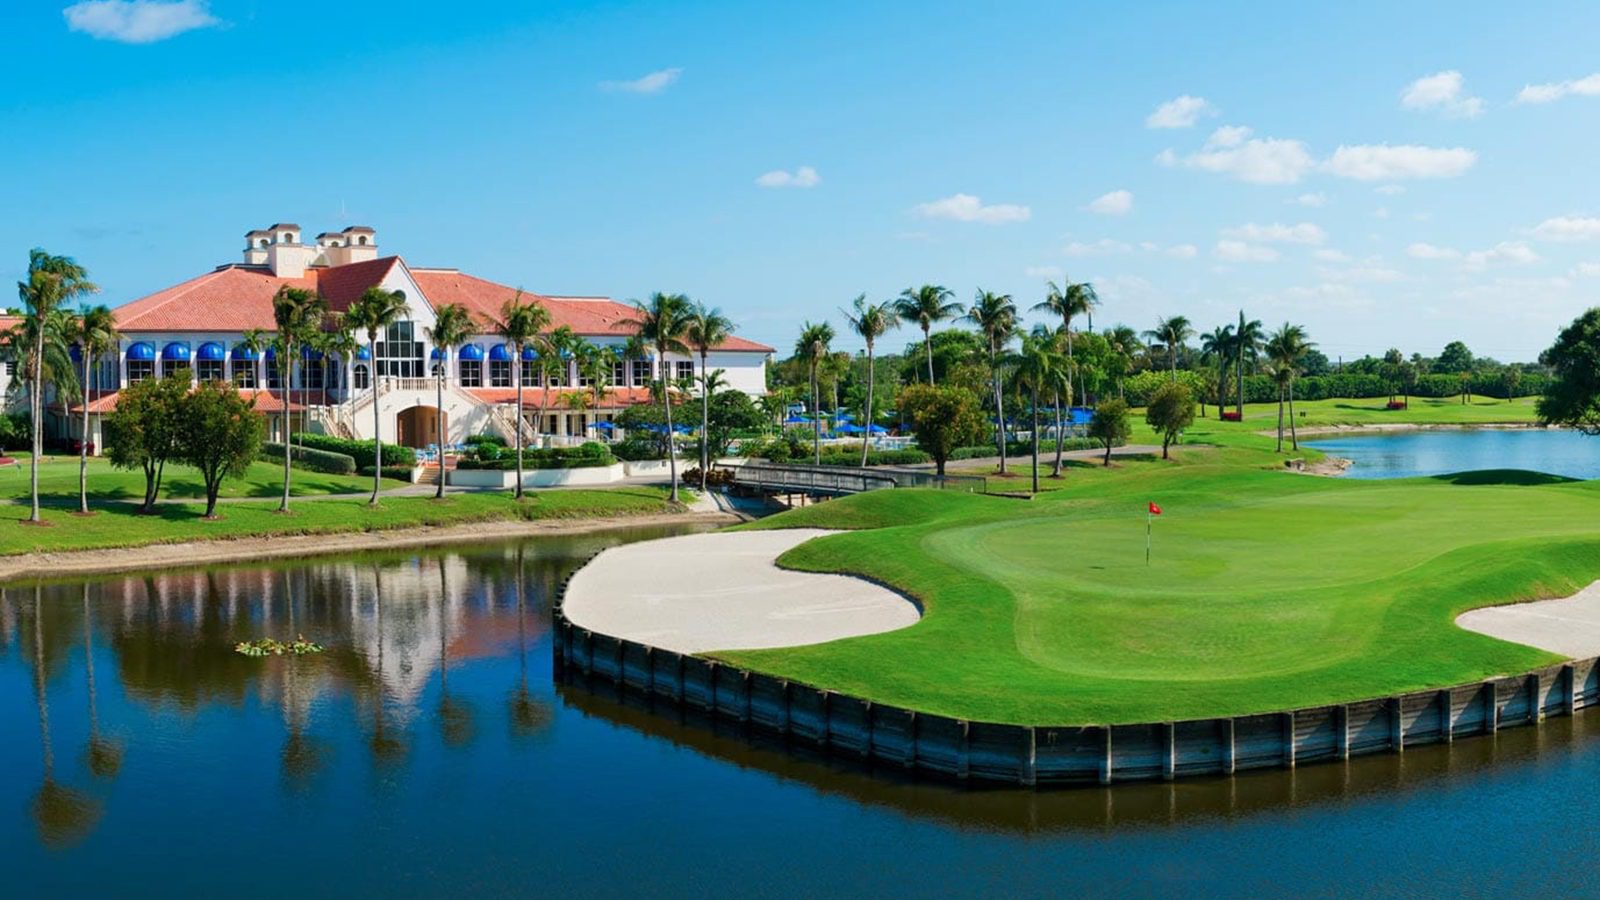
[
  {"x": 428, "y": 752},
  {"x": 1554, "y": 452}
]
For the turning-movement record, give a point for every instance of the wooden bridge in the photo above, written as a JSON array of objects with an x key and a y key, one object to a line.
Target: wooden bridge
[{"x": 835, "y": 481}]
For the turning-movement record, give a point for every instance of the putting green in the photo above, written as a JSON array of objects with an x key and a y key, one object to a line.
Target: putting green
[{"x": 1266, "y": 590}]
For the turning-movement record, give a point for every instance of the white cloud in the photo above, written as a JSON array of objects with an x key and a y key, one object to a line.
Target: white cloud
[
  {"x": 1116, "y": 203},
  {"x": 653, "y": 83},
  {"x": 1422, "y": 250},
  {"x": 1441, "y": 93},
  {"x": 1183, "y": 251},
  {"x": 1333, "y": 256},
  {"x": 1508, "y": 252},
  {"x": 1312, "y": 200},
  {"x": 1587, "y": 270},
  {"x": 1588, "y": 86},
  {"x": 1390, "y": 190},
  {"x": 1239, "y": 251},
  {"x": 1383, "y": 162},
  {"x": 1180, "y": 112},
  {"x": 138, "y": 21},
  {"x": 1102, "y": 247},
  {"x": 803, "y": 177},
  {"x": 1044, "y": 272},
  {"x": 1568, "y": 228},
  {"x": 967, "y": 208},
  {"x": 1257, "y": 160},
  {"x": 1362, "y": 274},
  {"x": 1167, "y": 158},
  {"x": 1278, "y": 233},
  {"x": 1228, "y": 136}
]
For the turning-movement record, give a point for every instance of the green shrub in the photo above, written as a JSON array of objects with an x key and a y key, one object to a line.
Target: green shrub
[
  {"x": 636, "y": 449},
  {"x": 360, "y": 451},
  {"x": 488, "y": 438},
  {"x": 581, "y": 457},
  {"x": 1022, "y": 448},
  {"x": 874, "y": 458},
  {"x": 312, "y": 460},
  {"x": 396, "y": 473}
]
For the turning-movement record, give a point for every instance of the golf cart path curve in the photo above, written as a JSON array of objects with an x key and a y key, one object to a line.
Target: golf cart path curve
[
  {"x": 1566, "y": 625},
  {"x": 724, "y": 591}
]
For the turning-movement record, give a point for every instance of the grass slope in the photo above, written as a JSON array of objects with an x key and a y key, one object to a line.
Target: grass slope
[
  {"x": 1267, "y": 590},
  {"x": 58, "y": 482}
]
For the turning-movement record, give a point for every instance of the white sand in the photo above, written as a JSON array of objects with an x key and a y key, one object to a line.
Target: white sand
[
  {"x": 1567, "y": 625},
  {"x": 703, "y": 592}
]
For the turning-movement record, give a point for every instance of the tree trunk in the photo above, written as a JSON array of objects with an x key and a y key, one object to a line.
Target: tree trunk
[
  {"x": 286, "y": 373},
  {"x": 517, "y": 492},
  {"x": 866, "y": 436},
  {"x": 1294, "y": 438},
  {"x": 377, "y": 423},
  {"x": 213, "y": 483},
  {"x": 666, "y": 403},
  {"x": 927, "y": 343},
  {"x": 1280, "y": 420},
  {"x": 439, "y": 427},
  {"x": 1238, "y": 374},
  {"x": 705, "y": 420},
  {"x": 999, "y": 405},
  {"x": 816, "y": 415},
  {"x": 1108, "y": 454},
  {"x": 36, "y": 413},
  {"x": 1060, "y": 438},
  {"x": 83, "y": 443},
  {"x": 1035, "y": 398}
]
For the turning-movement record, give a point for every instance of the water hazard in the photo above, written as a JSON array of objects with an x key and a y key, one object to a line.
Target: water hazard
[
  {"x": 1408, "y": 454},
  {"x": 427, "y": 752}
]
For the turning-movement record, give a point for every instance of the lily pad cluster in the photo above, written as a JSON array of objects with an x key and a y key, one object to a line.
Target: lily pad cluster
[{"x": 273, "y": 647}]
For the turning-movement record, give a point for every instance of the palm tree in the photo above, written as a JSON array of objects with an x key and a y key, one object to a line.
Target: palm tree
[
  {"x": 1061, "y": 380},
  {"x": 813, "y": 348},
  {"x": 594, "y": 363},
  {"x": 1218, "y": 347},
  {"x": 926, "y": 305},
  {"x": 1124, "y": 344},
  {"x": 1246, "y": 342},
  {"x": 52, "y": 283},
  {"x": 341, "y": 342},
  {"x": 520, "y": 324},
  {"x": 1171, "y": 333},
  {"x": 296, "y": 312},
  {"x": 1072, "y": 300},
  {"x": 452, "y": 325},
  {"x": 373, "y": 312},
  {"x": 95, "y": 333},
  {"x": 1286, "y": 349},
  {"x": 663, "y": 322},
  {"x": 703, "y": 330},
  {"x": 1036, "y": 364},
  {"x": 996, "y": 316},
  {"x": 871, "y": 321}
]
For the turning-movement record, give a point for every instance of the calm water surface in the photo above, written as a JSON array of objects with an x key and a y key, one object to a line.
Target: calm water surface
[
  {"x": 1409, "y": 454},
  {"x": 427, "y": 752}
]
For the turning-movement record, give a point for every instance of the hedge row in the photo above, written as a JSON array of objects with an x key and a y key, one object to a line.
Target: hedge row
[
  {"x": 589, "y": 455},
  {"x": 1261, "y": 389},
  {"x": 874, "y": 458},
  {"x": 1023, "y": 448},
  {"x": 310, "y": 459},
  {"x": 360, "y": 451},
  {"x": 397, "y": 473}
]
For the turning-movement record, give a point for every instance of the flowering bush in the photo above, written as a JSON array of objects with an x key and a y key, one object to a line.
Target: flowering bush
[{"x": 1231, "y": 416}]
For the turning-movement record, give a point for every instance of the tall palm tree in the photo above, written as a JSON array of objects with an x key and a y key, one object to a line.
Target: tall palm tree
[
  {"x": 52, "y": 283},
  {"x": 95, "y": 333},
  {"x": 1286, "y": 349},
  {"x": 705, "y": 329},
  {"x": 1036, "y": 364},
  {"x": 663, "y": 322},
  {"x": 452, "y": 325},
  {"x": 1171, "y": 333},
  {"x": 1124, "y": 345},
  {"x": 1066, "y": 302},
  {"x": 340, "y": 343},
  {"x": 521, "y": 323},
  {"x": 373, "y": 312},
  {"x": 1217, "y": 346},
  {"x": 1246, "y": 342},
  {"x": 594, "y": 364},
  {"x": 871, "y": 321},
  {"x": 812, "y": 347},
  {"x": 996, "y": 316},
  {"x": 926, "y": 305},
  {"x": 296, "y": 312}
]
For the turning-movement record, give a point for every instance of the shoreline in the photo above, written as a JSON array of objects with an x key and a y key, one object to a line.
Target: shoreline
[
  {"x": 1401, "y": 427},
  {"x": 188, "y": 554}
]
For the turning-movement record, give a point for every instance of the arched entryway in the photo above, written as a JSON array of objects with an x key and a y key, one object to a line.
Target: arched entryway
[{"x": 419, "y": 427}]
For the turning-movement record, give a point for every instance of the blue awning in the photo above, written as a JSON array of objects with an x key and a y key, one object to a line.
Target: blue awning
[
  {"x": 177, "y": 351},
  {"x": 529, "y": 355},
  {"x": 211, "y": 351},
  {"x": 310, "y": 353},
  {"x": 471, "y": 352},
  {"x": 272, "y": 353},
  {"x": 244, "y": 353},
  {"x": 436, "y": 355},
  {"x": 499, "y": 353},
  {"x": 363, "y": 353},
  {"x": 76, "y": 353}
]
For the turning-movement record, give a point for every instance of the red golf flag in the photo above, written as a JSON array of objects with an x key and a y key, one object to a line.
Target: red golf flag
[{"x": 1155, "y": 510}]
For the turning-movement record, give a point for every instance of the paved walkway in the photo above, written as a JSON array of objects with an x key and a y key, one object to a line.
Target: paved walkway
[
  {"x": 703, "y": 592},
  {"x": 1567, "y": 625}
]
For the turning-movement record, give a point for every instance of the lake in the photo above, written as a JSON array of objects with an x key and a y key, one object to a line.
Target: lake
[
  {"x": 428, "y": 752},
  {"x": 1413, "y": 453}
]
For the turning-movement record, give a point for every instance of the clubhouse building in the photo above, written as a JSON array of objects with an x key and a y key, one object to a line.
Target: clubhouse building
[{"x": 199, "y": 327}]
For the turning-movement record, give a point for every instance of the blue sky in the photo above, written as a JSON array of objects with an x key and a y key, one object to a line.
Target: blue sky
[{"x": 1386, "y": 174}]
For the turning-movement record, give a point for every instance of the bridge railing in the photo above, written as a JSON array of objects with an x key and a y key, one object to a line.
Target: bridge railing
[{"x": 841, "y": 480}]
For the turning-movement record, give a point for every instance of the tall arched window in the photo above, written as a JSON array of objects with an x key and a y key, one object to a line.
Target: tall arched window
[{"x": 361, "y": 377}]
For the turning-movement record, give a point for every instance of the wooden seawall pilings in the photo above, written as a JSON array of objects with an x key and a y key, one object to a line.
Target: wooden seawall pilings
[{"x": 1032, "y": 755}]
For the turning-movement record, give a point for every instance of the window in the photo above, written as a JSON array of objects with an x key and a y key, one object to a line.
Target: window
[
  {"x": 263, "y": 242},
  {"x": 530, "y": 372},
  {"x": 619, "y": 375},
  {"x": 363, "y": 378},
  {"x": 684, "y": 370},
  {"x": 11, "y": 368},
  {"x": 244, "y": 373},
  {"x": 313, "y": 372},
  {"x": 583, "y": 377},
  {"x": 274, "y": 378},
  {"x": 642, "y": 375},
  {"x": 471, "y": 372},
  {"x": 140, "y": 369},
  {"x": 171, "y": 367},
  {"x": 400, "y": 354},
  {"x": 500, "y": 373},
  {"x": 558, "y": 374},
  {"x": 362, "y": 240},
  {"x": 210, "y": 370}
]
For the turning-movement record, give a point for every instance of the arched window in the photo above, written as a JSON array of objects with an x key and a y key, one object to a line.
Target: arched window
[
  {"x": 263, "y": 242},
  {"x": 362, "y": 240},
  {"x": 285, "y": 238},
  {"x": 362, "y": 378}
]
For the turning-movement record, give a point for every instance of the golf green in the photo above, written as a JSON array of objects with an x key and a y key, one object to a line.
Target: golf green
[{"x": 1265, "y": 590}]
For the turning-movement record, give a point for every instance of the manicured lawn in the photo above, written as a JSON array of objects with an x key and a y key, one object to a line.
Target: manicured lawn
[
  {"x": 58, "y": 482},
  {"x": 1423, "y": 411},
  {"x": 1267, "y": 590},
  {"x": 117, "y": 525}
]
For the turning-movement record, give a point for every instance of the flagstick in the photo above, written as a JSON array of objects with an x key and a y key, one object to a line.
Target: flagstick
[{"x": 1149, "y": 519}]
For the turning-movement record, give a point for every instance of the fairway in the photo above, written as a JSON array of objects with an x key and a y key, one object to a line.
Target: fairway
[{"x": 1266, "y": 590}]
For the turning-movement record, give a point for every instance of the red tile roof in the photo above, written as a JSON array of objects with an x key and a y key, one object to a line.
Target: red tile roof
[
  {"x": 267, "y": 402},
  {"x": 534, "y": 397}
]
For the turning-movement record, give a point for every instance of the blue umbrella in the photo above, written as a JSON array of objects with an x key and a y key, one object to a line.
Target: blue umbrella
[
  {"x": 796, "y": 420},
  {"x": 605, "y": 426},
  {"x": 878, "y": 429},
  {"x": 849, "y": 429}
]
